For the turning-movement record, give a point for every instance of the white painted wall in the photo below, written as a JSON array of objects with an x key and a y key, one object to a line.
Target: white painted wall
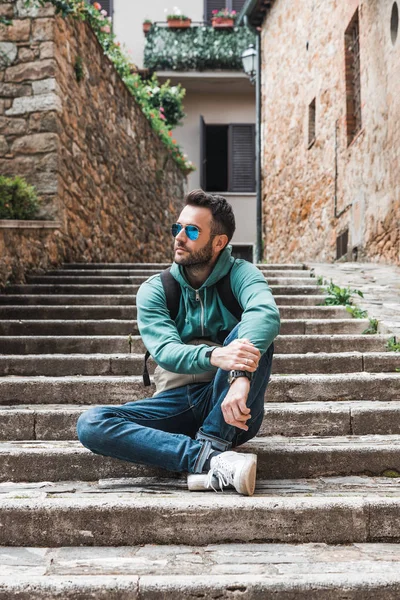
[{"x": 130, "y": 14}]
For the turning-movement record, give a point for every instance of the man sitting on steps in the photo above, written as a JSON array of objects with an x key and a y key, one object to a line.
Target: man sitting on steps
[{"x": 210, "y": 397}]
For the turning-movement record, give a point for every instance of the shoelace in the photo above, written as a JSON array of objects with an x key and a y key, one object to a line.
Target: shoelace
[{"x": 222, "y": 471}]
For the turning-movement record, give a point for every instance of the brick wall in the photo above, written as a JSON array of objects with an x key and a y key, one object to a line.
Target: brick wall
[
  {"x": 98, "y": 166},
  {"x": 303, "y": 57}
]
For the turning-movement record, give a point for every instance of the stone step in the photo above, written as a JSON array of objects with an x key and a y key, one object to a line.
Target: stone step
[
  {"x": 341, "y": 510},
  {"x": 58, "y": 421},
  {"x": 149, "y": 272},
  {"x": 44, "y": 312},
  {"x": 159, "y": 266},
  {"x": 132, "y": 364},
  {"x": 123, "y": 300},
  {"x": 102, "y": 289},
  {"x": 279, "y": 457},
  {"x": 126, "y": 327},
  {"x": 139, "y": 279},
  {"x": 313, "y": 571},
  {"x": 116, "y": 389},
  {"x": 284, "y": 344}
]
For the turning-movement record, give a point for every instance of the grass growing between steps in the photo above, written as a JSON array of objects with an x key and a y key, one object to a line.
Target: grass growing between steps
[{"x": 337, "y": 296}]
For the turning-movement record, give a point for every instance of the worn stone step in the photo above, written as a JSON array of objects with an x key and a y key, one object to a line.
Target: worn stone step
[
  {"x": 149, "y": 272},
  {"x": 43, "y": 312},
  {"x": 132, "y": 364},
  {"x": 326, "y": 510},
  {"x": 117, "y": 389},
  {"x": 313, "y": 571},
  {"x": 58, "y": 421},
  {"x": 102, "y": 289},
  {"x": 279, "y": 457},
  {"x": 284, "y": 344},
  {"x": 159, "y": 266},
  {"x": 122, "y": 300},
  {"x": 126, "y": 327}
]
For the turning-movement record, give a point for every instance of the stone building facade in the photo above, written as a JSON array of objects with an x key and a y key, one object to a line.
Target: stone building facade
[
  {"x": 104, "y": 176},
  {"x": 331, "y": 177}
]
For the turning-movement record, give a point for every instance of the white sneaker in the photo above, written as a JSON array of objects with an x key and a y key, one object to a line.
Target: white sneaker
[{"x": 227, "y": 469}]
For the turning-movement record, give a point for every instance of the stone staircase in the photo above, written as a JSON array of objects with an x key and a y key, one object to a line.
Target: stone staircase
[{"x": 324, "y": 522}]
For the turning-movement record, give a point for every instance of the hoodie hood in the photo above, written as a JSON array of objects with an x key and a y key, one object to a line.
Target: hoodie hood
[{"x": 221, "y": 268}]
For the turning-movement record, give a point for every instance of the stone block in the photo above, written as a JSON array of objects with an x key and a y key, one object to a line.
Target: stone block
[
  {"x": 32, "y": 70},
  {"x": 8, "y": 53},
  {"x": 43, "y": 30},
  {"x": 35, "y": 143},
  {"x": 26, "y": 54},
  {"x": 44, "y": 86},
  {"x": 33, "y": 11},
  {"x": 12, "y": 126},
  {"x": 14, "y": 90},
  {"x": 19, "y": 31},
  {"x": 42, "y": 103},
  {"x": 46, "y": 50},
  {"x": 7, "y": 11},
  {"x": 43, "y": 121},
  {"x": 3, "y": 145}
]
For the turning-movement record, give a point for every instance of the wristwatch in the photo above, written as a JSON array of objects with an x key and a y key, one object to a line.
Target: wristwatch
[
  {"x": 236, "y": 374},
  {"x": 209, "y": 352}
]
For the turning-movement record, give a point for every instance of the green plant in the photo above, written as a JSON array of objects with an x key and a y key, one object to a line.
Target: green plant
[
  {"x": 18, "y": 199},
  {"x": 147, "y": 21},
  {"x": 177, "y": 17},
  {"x": 356, "y": 312},
  {"x": 321, "y": 280},
  {"x": 224, "y": 13},
  {"x": 393, "y": 345},
  {"x": 340, "y": 296},
  {"x": 373, "y": 327},
  {"x": 167, "y": 100},
  {"x": 5, "y": 21},
  {"x": 390, "y": 473},
  {"x": 78, "y": 67},
  {"x": 97, "y": 18}
]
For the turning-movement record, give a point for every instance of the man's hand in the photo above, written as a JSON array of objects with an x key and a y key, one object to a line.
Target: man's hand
[
  {"x": 240, "y": 355},
  {"x": 234, "y": 406}
]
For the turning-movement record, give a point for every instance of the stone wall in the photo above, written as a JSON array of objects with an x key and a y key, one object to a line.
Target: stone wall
[
  {"x": 302, "y": 59},
  {"x": 87, "y": 147}
]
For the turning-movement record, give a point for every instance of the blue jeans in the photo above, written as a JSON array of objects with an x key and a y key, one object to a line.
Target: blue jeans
[{"x": 179, "y": 428}]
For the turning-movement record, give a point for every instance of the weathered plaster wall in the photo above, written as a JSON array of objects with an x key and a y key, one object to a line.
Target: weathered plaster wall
[
  {"x": 99, "y": 167},
  {"x": 302, "y": 59}
]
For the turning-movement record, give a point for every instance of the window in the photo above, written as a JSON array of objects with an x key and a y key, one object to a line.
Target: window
[
  {"x": 342, "y": 241},
  {"x": 311, "y": 123},
  {"x": 210, "y": 5},
  {"x": 394, "y": 23},
  {"x": 244, "y": 251},
  {"x": 353, "y": 78},
  {"x": 227, "y": 157},
  {"x": 107, "y": 5}
]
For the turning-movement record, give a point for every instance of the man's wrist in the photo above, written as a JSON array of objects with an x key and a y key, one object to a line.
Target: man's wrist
[
  {"x": 235, "y": 374},
  {"x": 210, "y": 354}
]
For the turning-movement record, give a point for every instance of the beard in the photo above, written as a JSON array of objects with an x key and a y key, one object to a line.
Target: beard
[{"x": 199, "y": 259}]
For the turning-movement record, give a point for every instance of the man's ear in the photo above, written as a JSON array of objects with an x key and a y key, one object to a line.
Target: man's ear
[{"x": 221, "y": 241}]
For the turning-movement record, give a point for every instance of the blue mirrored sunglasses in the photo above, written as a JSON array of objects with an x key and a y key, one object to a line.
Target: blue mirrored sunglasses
[{"x": 191, "y": 231}]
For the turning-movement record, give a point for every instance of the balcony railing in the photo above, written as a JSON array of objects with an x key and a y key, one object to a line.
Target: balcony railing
[{"x": 197, "y": 48}]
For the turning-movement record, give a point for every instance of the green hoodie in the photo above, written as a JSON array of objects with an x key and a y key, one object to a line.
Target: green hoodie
[{"x": 202, "y": 315}]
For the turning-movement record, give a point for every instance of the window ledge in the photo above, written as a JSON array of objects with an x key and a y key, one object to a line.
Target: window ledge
[
  {"x": 250, "y": 194},
  {"x": 22, "y": 224},
  {"x": 355, "y": 139}
]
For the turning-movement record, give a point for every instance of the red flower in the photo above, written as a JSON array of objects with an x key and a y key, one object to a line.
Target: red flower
[
  {"x": 96, "y": 5},
  {"x": 214, "y": 12}
]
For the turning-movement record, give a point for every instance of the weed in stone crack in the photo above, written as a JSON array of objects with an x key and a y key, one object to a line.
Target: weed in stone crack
[
  {"x": 356, "y": 312},
  {"x": 390, "y": 473},
  {"x": 130, "y": 343},
  {"x": 321, "y": 280},
  {"x": 337, "y": 296},
  {"x": 393, "y": 345},
  {"x": 373, "y": 327},
  {"x": 78, "y": 68}
]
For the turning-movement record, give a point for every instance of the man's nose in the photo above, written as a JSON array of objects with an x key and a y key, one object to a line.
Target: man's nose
[{"x": 181, "y": 235}]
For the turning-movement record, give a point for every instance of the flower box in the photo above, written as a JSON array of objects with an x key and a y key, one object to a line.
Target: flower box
[
  {"x": 179, "y": 23},
  {"x": 220, "y": 22},
  {"x": 147, "y": 26}
]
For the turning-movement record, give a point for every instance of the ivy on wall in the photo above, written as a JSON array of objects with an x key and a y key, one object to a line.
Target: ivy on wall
[
  {"x": 150, "y": 102},
  {"x": 196, "y": 48}
]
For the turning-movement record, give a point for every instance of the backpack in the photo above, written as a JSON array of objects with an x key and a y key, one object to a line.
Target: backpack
[{"x": 173, "y": 292}]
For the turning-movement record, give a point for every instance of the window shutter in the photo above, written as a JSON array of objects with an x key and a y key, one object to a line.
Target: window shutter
[
  {"x": 203, "y": 182},
  {"x": 210, "y": 5},
  {"x": 237, "y": 5},
  {"x": 242, "y": 158}
]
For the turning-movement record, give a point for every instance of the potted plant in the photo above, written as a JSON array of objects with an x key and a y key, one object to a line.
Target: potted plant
[
  {"x": 223, "y": 18},
  {"x": 177, "y": 20},
  {"x": 147, "y": 23}
]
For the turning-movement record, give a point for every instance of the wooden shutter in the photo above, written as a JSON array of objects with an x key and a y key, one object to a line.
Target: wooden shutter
[
  {"x": 203, "y": 158},
  {"x": 242, "y": 158},
  {"x": 210, "y": 5},
  {"x": 237, "y": 5}
]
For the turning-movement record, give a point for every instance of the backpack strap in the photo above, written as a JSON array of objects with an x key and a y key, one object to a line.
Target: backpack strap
[
  {"x": 228, "y": 298},
  {"x": 173, "y": 292}
]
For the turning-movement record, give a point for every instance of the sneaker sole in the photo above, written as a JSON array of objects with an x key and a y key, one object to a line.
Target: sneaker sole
[
  {"x": 196, "y": 482},
  {"x": 245, "y": 480}
]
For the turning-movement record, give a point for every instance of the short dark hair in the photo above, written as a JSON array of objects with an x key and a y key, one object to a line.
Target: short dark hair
[{"x": 223, "y": 219}]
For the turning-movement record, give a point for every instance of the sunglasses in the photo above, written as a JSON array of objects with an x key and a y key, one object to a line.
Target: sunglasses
[{"x": 191, "y": 231}]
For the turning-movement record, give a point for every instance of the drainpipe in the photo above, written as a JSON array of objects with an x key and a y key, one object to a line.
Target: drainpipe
[{"x": 258, "y": 152}]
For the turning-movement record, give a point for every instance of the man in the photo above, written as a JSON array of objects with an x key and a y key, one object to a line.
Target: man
[{"x": 209, "y": 398}]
